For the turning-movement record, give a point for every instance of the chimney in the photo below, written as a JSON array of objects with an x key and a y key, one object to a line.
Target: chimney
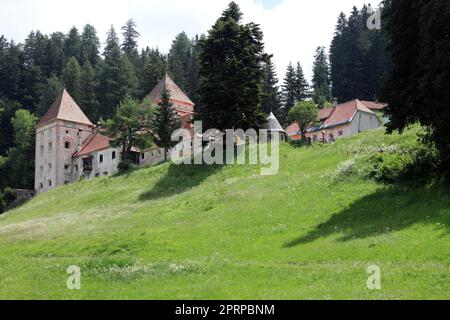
[{"x": 335, "y": 102}]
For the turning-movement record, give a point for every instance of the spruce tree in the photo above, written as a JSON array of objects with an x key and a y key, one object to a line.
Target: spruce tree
[
  {"x": 49, "y": 93},
  {"x": 179, "y": 60},
  {"x": 321, "y": 78},
  {"x": 301, "y": 84},
  {"x": 165, "y": 122},
  {"x": 89, "y": 84},
  {"x": 289, "y": 90},
  {"x": 231, "y": 72},
  {"x": 130, "y": 45},
  {"x": 271, "y": 101},
  {"x": 72, "y": 79},
  {"x": 89, "y": 45},
  {"x": 73, "y": 44}
]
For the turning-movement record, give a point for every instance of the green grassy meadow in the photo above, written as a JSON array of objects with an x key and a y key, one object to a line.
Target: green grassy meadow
[{"x": 226, "y": 232}]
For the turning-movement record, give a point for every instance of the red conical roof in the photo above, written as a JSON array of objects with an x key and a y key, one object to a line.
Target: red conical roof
[
  {"x": 175, "y": 91},
  {"x": 65, "y": 108}
]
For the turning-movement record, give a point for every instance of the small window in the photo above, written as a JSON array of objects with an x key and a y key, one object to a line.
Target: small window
[
  {"x": 76, "y": 167},
  {"x": 66, "y": 182},
  {"x": 341, "y": 133},
  {"x": 41, "y": 185},
  {"x": 49, "y": 183},
  {"x": 113, "y": 155},
  {"x": 143, "y": 156},
  {"x": 42, "y": 149},
  {"x": 67, "y": 145},
  {"x": 101, "y": 158},
  {"x": 97, "y": 174},
  {"x": 67, "y": 131},
  {"x": 50, "y": 147},
  {"x": 66, "y": 167},
  {"x": 105, "y": 173},
  {"x": 50, "y": 165}
]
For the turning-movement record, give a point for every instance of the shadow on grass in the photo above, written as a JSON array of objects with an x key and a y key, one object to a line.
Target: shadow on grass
[
  {"x": 179, "y": 179},
  {"x": 391, "y": 209}
]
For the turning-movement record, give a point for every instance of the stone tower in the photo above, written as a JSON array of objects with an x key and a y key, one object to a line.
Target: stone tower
[{"x": 59, "y": 134}]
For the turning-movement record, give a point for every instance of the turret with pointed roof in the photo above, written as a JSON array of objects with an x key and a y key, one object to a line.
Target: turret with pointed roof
[
  {"x": 180, "y": 100},
  {"x": 65, "y": 108}
]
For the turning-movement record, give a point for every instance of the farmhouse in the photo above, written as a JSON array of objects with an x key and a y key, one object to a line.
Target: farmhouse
[
  {"x": 69, "y": 147},
  {"x": 341, "y": 120}
]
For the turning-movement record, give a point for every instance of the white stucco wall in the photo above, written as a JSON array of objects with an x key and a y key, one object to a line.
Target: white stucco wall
[{"x": 363, "y": 121}]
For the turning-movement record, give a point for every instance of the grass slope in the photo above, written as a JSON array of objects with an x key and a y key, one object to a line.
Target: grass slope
[{"x": 195, "y": 232}]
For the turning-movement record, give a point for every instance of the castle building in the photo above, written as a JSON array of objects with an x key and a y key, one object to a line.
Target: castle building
[{"x": 68, "y": 146}]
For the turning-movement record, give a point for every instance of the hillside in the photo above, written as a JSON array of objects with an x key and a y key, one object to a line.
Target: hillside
[{"x": 196, "y": 232}]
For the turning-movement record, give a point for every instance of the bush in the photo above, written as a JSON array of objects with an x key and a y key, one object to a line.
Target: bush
[
  {"x": 124, "y": 165},
  {"x": 408, "y": 161},
  {"x": 298, "y": 143},
  {"x": 9, "y": 194}
]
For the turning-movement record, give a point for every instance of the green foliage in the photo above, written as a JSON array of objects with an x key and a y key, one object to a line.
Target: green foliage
[
  {"x": 321, "y": 76},
  {"x": 49, "y": 93},
  {"x": 165, "y": 121},
  {"x": 129, "y": 127},
  {"x": 179, "y": 60},
  {"x": 407, "y": 159},
  {"x": 72, "y": 79},
  {"x": 271, "y": 101},
  {"x": 231, "y": 72},
  {"x": 358, "y": 57},
  {"x": 418, "y": 89},
  {"x": 304, "y": 113}
]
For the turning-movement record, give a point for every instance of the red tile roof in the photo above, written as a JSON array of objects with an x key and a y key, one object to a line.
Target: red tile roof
[
  {"x": 175, "y": 91},
  {"x": 344, "y": 113},
  {"x": 374, "y": 105},
  {"x": 325, "y": 113},
  {"x": 65, "y": 108},
  {"x": 294, "y": 128},
  {"x": 341, "y": 114},
  {"x": 94, "y": 142}
]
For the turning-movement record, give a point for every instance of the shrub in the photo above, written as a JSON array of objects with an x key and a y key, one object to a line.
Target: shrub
[{"x": 124, "y": 165}]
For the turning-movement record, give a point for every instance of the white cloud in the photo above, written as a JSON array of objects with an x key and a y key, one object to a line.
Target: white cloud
[{"x": 292, "y": 29}]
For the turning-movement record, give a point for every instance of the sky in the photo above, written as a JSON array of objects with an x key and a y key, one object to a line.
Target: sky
[{"x": 293, "y": 29}]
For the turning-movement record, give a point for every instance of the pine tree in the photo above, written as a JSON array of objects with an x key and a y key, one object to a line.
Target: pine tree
[
  {"x": 129, "y": 82},
  {"x": 72, "y": 79},
  {"x": 340, "y": 61},
  {"x": 165, "y": 122},
  {"x": 231, "y": 73},
  {"x": 271, "y": 92},
  {"x": 55, "y": 53},
  {"x": 153, "y": 70},
  {"x": 418, "y": 89},
  {"x": 129, "y": 45},
  {"x": 89, "y": 84},
  {"x": 49, "y": 93},
  {"x": 289, "y": 90},
  {"x": 110, "y": 89},
  {"x": 321, "y": 78},
  {"x": 89, "y": 45},
  {"x": 73, "y": 44},
  {"x": 179, "y": 60},
  {"x": 112, "y": 41},
  {"x": 111, "y": 83},
  {"x": 301, "y": 85}
]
